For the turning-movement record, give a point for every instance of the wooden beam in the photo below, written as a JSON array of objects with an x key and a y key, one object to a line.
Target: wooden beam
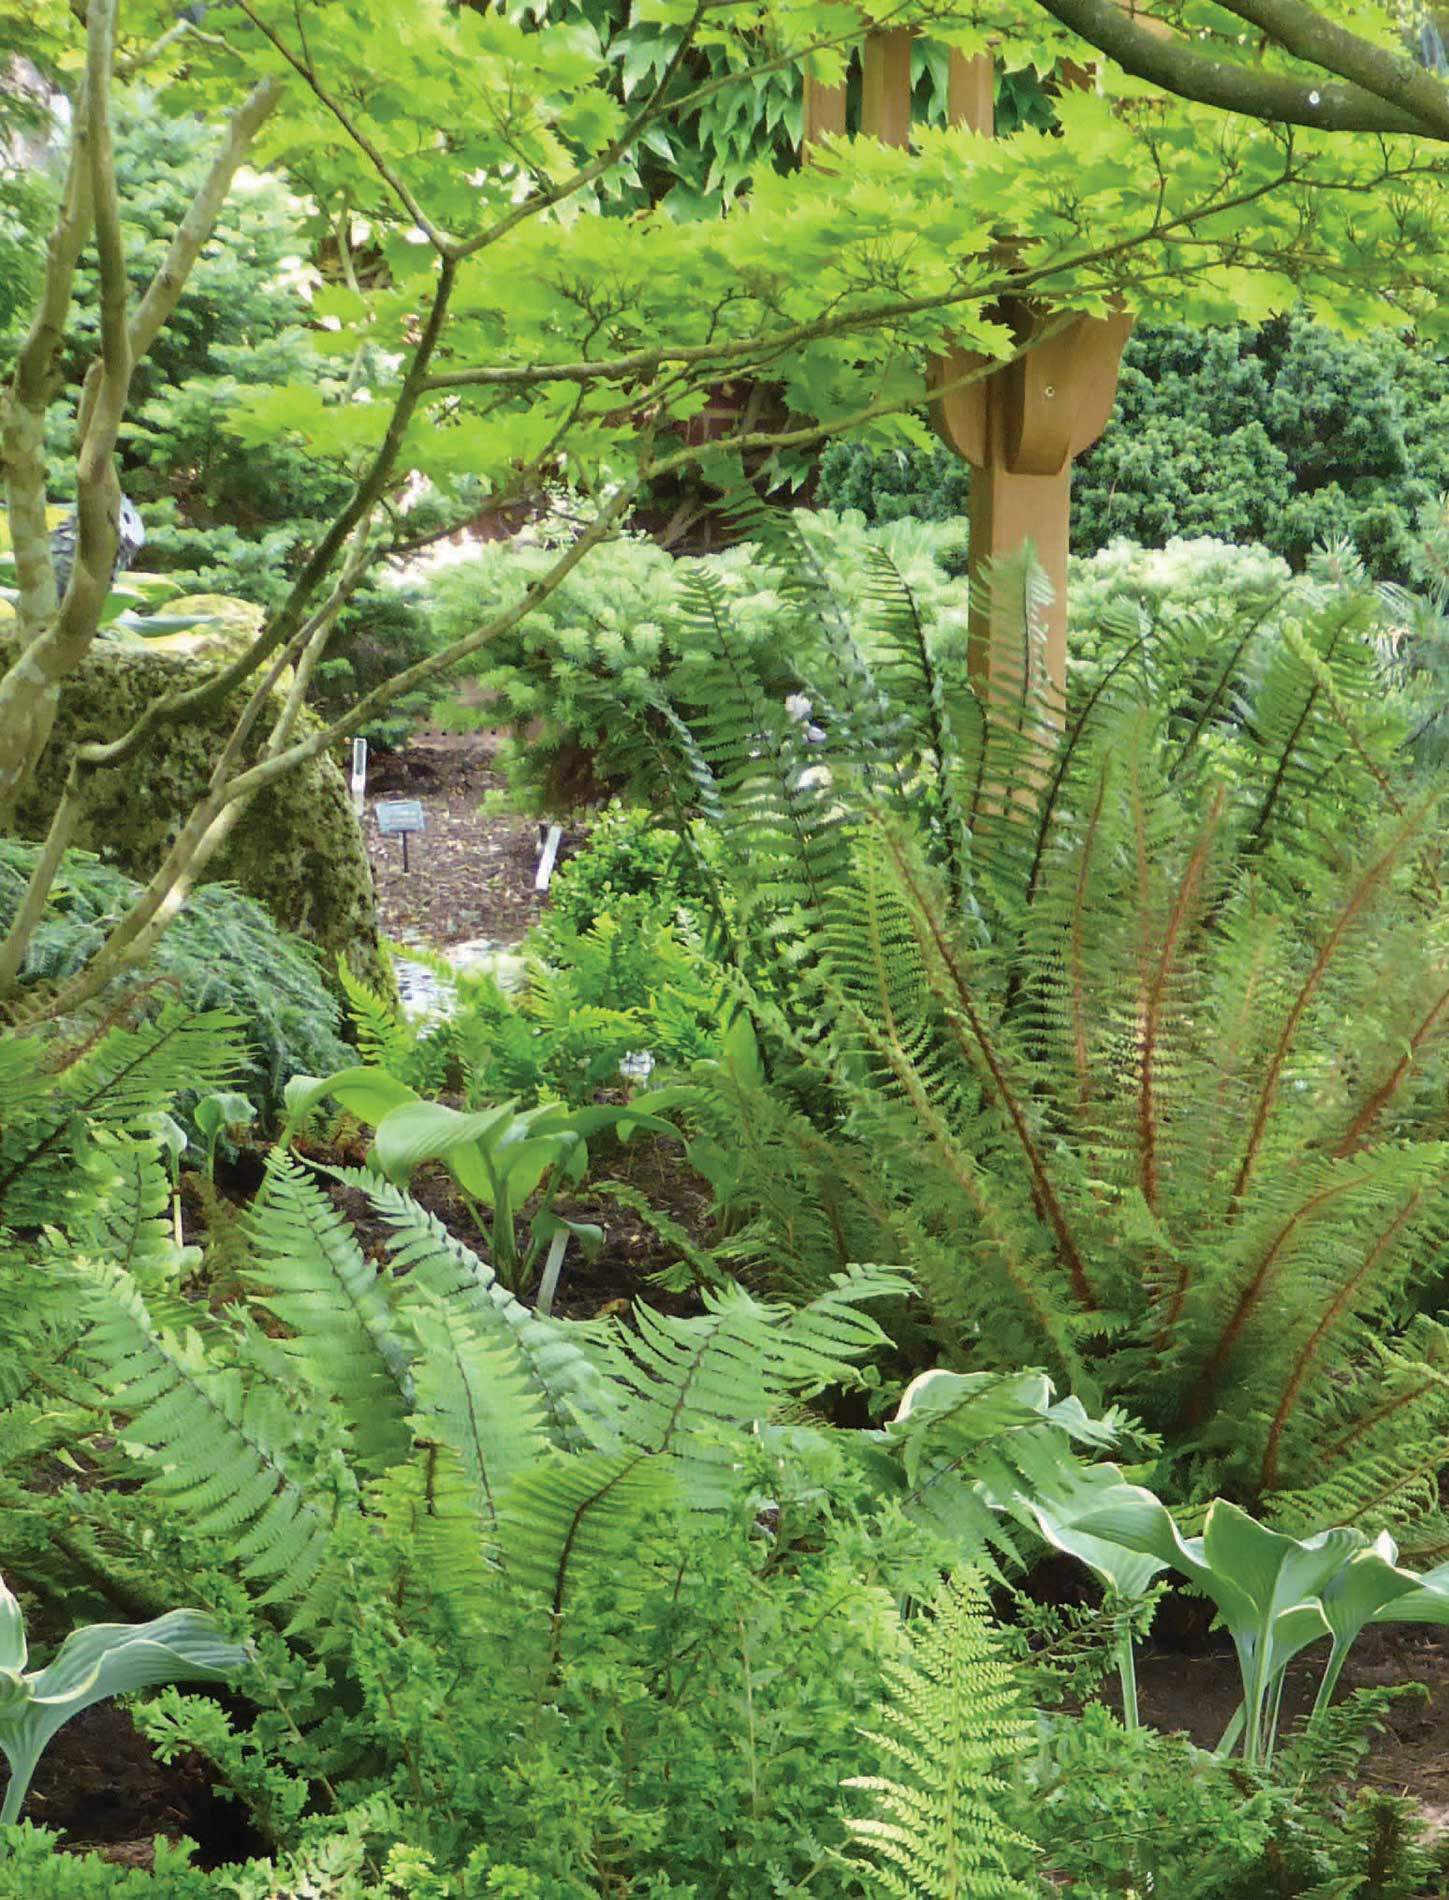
[
  {"x": 824, "y": 113},
  {"x": 885, "y": 87}
]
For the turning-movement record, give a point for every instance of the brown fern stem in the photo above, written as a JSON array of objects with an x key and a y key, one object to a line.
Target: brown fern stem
[
  {"x": 923, "y": 914},
  {"x": 1359, "y": 1127},
  {"x": 1333, "y": 1454},
  {"x": 957, "y": 1166},
  {"x": 1187, "y": 891},
  {"x": 1327, "y": 950},
  {"x": 1201, "y": 1399},
  {"x": 1312, "y": 1346},
  {"x": 1076, "y": 937}
]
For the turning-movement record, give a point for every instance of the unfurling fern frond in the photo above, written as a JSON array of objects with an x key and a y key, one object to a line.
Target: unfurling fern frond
[{"x": 954, "y": 1726}]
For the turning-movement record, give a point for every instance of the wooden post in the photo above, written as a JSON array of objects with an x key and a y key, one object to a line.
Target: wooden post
[
  {"x": 1019, "y": 425},
  {"x": 885, "y": 86}
]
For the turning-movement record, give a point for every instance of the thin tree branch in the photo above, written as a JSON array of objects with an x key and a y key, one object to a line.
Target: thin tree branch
[
  {"x": 396, "y": 184},
  {"x": 213, "y": 691},
  {"x": 1177, "y": 67},
  {"x": 30, "y": 389},
  {"x": 141, "y": 928}
]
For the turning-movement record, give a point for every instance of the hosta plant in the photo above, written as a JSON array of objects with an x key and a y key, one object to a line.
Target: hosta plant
[
  {"x": 1275, "y": 1594},
  {"x": 92, "y": 1664},
  {"x": 499, "y": 1156}
]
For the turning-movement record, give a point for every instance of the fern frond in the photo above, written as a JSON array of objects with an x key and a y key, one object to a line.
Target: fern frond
[
  {"x": 953, "y": 1727},
  {"x": 383, "y": 1034},
  {"x": 118, "y": 1082},
  {"x": 473, "y": 1394},
  {"x": 307, "y": 1269},
  {"x": 687, "y": 1387},
  {"x": 564, "y": 1381},
  {"x": 218, "y": 1441},
  {"x": 583, "y": 1513}
]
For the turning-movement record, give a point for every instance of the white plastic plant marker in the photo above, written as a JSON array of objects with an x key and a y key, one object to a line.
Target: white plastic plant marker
[
  {"x": 359, "y": 776},
  {"x": 547, "y": 858},
  {"x": 552, "y": 1270}
]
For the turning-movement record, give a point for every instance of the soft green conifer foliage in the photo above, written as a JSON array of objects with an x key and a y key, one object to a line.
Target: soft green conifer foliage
[
  {"x": 1124, "y": 1031},
  {"x": 955, "y": 1721},
  {"x": 223, "y": 953}
]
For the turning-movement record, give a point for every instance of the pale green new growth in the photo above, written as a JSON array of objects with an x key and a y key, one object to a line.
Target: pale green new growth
[{"x": 955, "y": 1724}]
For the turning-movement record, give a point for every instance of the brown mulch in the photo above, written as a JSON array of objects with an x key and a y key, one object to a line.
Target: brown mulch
[
  {"x": 99, "y": 1785},
  {"x": 470, "y": 874},
  {"x": 1197, "y": 1691}
]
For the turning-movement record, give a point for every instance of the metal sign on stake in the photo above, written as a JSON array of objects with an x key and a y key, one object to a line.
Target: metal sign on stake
[
  {"x": 359, "y": 775},
  {"x": 399, "y": 818}
]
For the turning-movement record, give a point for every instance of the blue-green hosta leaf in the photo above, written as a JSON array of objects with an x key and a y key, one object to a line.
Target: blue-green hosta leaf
[
  {"x": 221, "y": 1110},
  {"x": 1369, "y": 1588},
  {"x": 1096, "y": 1493},
  {"x": 1427, "y": 1602},
  {"x": 92, "y": 1664},
  {"x": 13, "y": 1648},
  {"x": 416, "y": 1131},
  {"x": 366, "y": 1093}
]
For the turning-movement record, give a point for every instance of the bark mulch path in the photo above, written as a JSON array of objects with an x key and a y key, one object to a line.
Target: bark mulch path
[{"x": 470, "y": 873}]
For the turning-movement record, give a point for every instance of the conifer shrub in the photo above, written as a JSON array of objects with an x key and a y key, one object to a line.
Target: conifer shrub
[{"x": 222, "y": 953}]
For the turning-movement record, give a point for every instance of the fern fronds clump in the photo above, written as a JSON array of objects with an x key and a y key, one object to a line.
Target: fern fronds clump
[
  {"x": 222, "y": 953},
  {"x": 952, "y": 1731},
  {"x": 1124, "y": 1022}
]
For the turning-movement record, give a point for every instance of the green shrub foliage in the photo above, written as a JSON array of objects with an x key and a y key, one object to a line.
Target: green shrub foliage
[
  {"x": 1128, "y": 1040},
  {"x": 222, "y": 953},
  {"x": 1288, "y": 435},
  {"x": 538, "y": 1608},
  {"x": 572, "y": 679},
  {"x": 555, "y": 1610}
]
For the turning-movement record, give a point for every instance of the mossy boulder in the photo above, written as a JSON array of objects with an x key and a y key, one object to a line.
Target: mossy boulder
[{"x": 297, "y": 848}]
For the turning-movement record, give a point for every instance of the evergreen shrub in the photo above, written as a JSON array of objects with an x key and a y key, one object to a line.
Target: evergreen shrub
[
  {"x": 222, "y": 953},
  {"x": 1290, "y": 435}
]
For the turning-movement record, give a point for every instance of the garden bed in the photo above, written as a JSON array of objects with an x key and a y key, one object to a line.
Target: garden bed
[{"x": 471, "y": 873}]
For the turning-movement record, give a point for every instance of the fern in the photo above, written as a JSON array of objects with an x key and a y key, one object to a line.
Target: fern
[
  {"x": 108, "y": 1088},
  {"x": 223, "y": 955},
  {"x": 219, "y": 1440},
  {"x": 955, "y": 1724},
  {"x": 308, "y": 1271},
  {"x": 382, "y": 1033},
  {"x": 680, "y": 1384},
  {"x": 1090, "y": 1013}
]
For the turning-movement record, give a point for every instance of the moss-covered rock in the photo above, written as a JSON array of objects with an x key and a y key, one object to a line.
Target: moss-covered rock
[{"x": 297, "y": 848}]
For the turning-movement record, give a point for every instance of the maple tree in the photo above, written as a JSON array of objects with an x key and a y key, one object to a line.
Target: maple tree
[{"x": 525, "y": 321}]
